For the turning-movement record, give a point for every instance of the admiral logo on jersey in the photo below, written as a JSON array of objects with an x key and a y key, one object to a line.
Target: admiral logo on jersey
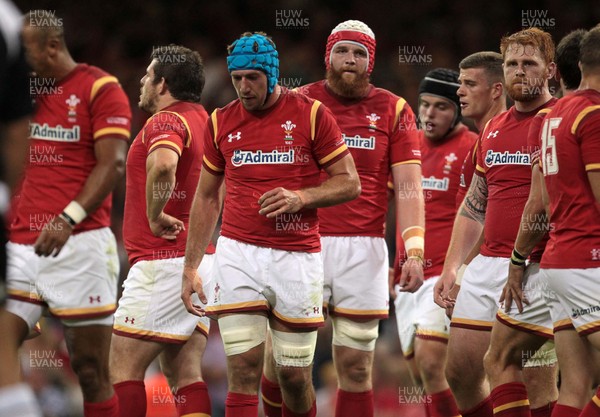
[
  {"x": 359, "y": 142},
  {"x": 57, "y": 133},
  {"x": 437, "y": 184},
  {"x": 505, "y": 158},
  {"x": 240, "y": 157}
]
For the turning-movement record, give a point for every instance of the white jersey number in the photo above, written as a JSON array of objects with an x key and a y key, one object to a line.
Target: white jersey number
[{"x": 548, "y": 154}]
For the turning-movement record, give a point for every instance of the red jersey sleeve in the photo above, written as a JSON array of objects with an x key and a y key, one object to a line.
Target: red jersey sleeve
[
  {"x": 533, "y": 137},
  {"x": 588, "y": 132},
  {"x": 165, "y": 130},
  {"x": 466, "y": 174},
  {"x": 110, "y": 112},
  {"x": 328, "y": 144},
  {"x": 213, "y": 159},
  {"x": 404, "y": 142},
  {"x": 479, "y": 156}
]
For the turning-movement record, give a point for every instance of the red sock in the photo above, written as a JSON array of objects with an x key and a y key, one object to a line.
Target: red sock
[
  {"x": 442, "y": 404},
  {"x": 132, "y": 398},
  {"x": 108, "y": 408},
  {"x": 271, "y": 396},
  {"x": 483, "y": 409},
  {"x": 241, "y": 405},
  {"x": 544, "y": 411},
  {"x": 510, "y": 400},
  {"x": 354, "y": 404},
  {"x": 193, "y": 399},
  {"x": 560, "y": 410},
  {"x": 286, "y": 412},
  {"x": 592, "y": 409}
]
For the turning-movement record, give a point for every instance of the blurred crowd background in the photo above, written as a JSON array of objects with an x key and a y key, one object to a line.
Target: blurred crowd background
[{"x": 412, "y": 38}]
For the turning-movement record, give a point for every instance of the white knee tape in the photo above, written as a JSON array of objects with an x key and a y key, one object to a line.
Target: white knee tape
[
  {"x": 242, "y": 332},
  {"x": 355, "y": 335},
  {"x": 294, "y": 349}
]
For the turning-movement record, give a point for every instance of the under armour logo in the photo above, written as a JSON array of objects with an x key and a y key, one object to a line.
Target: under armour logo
[
  {"x": 316, "y": 310},
  {"x": 231, "y": 136},
  {"x": 92, "y": 299},
  {"x": 493, "y": 134},
  {"x": 595, "y": 254},
  {"x": 132, "y": 320}
]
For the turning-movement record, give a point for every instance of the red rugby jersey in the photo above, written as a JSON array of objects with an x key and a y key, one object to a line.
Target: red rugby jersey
[
  {"x": 466, "y": 172},
  {"x": 71, "y": 115},
  {"x": 441, "y": 168},
  {"x": 503, "y": 159},
  {"x": 377, "y": 131},
  {"x": 533, "y": 147},
  {"x": 285, "y": 145},
  {"x": 533, "y": 138},
  {"x": 179, "y": 127},
  {"x": 570, "y": 147}
]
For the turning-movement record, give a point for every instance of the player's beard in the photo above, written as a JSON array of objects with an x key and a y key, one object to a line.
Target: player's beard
[
  {"x": 148, "y": 99},
  {"x": 356, "y": 88},
  {"x": 525, "y": 93}
]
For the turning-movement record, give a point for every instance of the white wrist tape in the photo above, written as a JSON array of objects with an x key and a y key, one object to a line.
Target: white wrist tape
[{"x": 75, "y": 211}]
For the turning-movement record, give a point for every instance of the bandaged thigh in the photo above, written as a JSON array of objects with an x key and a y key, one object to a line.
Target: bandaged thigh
[
  {"x": 294, "y": 349},
  {"x": 242, "y": 332},
  {"x": 355, "y": 335}
]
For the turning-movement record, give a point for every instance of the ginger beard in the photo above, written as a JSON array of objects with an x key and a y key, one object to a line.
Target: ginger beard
[
  {"x": 526, "y": 89},
  {"x": 345, "y": 85}
]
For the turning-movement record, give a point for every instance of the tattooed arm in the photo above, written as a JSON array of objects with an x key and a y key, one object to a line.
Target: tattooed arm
[{"x": 474, "y": 205}]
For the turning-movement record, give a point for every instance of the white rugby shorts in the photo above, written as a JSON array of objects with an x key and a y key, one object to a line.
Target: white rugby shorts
[
  {"x": 79, "y": 286},
  {"x": 151, "y": 307}
]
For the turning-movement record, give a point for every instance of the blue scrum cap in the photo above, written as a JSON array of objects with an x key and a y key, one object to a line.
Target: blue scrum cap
[{"x": 255, "y": 52}]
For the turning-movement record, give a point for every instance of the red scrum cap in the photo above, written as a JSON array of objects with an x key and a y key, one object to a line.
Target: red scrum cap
[{"x": 353, "y": 31}]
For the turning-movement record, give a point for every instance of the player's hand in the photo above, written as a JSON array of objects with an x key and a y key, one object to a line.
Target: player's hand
[
  {"x": 513, "y": 289},
  {"x": 192, "y": 283},
  {"x": 165, "y": 226},
  {"x": 411, "y": 277},
  {"x": 452, "y": 294},
  {"x": 279, "y": 201},
  {"x": 441, "y": 290},
  {"x": 53, "y": 237}
]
